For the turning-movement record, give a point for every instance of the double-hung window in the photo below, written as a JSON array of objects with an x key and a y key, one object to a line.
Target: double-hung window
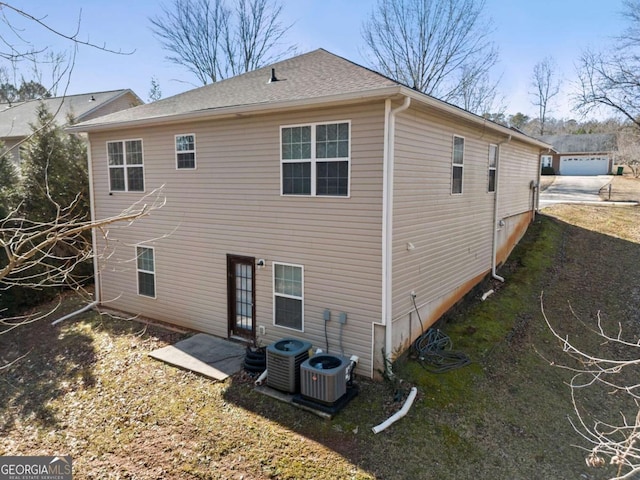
[
  {"x": 315, "y": 159},
  {"x": 457, "y": 165},
  {"x": 146, "y": 268},
  {"x": 493, "y": 165},
  {"x": 126, "y": 166},
  {"x": 186, "y": 151},
  {"x": 288, "y": 292}
]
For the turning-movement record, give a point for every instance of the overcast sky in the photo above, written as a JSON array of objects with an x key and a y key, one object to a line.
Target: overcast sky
[{"x": 525, "y": 32}]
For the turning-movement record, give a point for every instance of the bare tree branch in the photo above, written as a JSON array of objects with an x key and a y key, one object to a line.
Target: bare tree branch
[
  {"x": 610, "y": 443},
  {"x": 440, "y": 47},
  {"x": 213, "y": 41},
  {"x": 611, "y": 80},
  {"x": 73, "y": 37},
  {"x": 30, "y": 244},
  {"x": 546, "y": 86}
]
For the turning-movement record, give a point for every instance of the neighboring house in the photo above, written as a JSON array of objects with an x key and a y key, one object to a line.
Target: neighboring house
[
  {"x": 586, "y": 154},
  {"x": 16, "y": 118},
  {"x": 310, "y": 189}
]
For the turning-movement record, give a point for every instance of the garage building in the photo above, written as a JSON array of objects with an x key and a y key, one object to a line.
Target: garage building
[{"x": 586, "y": 154}]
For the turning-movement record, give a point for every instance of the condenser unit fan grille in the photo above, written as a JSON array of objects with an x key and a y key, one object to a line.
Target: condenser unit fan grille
[
  {"x": 323, "y": 378},
  {"x": 284, "y": 358}
]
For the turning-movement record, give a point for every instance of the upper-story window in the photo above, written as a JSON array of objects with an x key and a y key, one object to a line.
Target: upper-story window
[
  {"x": 493, "y": 164},
  {"x": 457, "y": 165},
  {"x": 186, "y": 151},
  {"x": 315, "y": 159},
  {"x": 126, "y": 169}
]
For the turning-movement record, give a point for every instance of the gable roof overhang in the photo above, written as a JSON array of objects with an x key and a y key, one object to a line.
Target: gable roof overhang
[{"x": 396, "y": 92}]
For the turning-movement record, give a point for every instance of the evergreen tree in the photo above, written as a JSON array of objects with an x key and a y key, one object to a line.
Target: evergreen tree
[
  {"x": 8, "y": 183},
  {"x": 54, "y": 171},
  {"x": 54, "y": 180}
]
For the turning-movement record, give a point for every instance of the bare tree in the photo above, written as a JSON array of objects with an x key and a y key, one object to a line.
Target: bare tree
[
  {"x": 610, "y": 442},
  {"x": 214, "y": 41},
  {"x": 431, "y": 45},
  {"x": 479, "y": 94},
  {"x": 257, "y": 33},
  {"x": 611, "y": 80},
  {"x": 628, "y": 152},
  {"x": 39, "y": 254},
  {"x": 545, "y": 85}
]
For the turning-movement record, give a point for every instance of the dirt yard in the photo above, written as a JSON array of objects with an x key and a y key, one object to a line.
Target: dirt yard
[{"x": 88, "y": 389}]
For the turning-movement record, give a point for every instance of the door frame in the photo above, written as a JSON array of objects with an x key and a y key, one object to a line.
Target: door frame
[{"x": 232, "y": 261}]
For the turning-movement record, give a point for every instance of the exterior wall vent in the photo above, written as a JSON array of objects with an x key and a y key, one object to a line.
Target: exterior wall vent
[
  {"x": 284, "y": 358},
  {"x": 323, "y": 378}
]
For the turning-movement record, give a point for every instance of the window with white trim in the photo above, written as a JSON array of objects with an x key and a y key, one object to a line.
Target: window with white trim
[
  {"x": 315, "y": 159},
  {"x": 493, "y": 164},
  {"x": 126, "y": 168},
  {"x": 186, "y": 151},
  {"x": 146, "y": 268},
  {"x": 288, "y": 296},
  {"x": 457, "y": 165},
  {"x": 546, "y": 160}
]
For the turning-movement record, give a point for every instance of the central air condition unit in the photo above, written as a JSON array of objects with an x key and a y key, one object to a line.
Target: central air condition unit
[
  {"x": 323, "y": 378},
  {"x": 284, "y": 358}
]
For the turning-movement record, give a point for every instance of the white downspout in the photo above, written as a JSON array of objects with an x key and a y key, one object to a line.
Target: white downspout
[
  {"x": 94, "y": 243},
  {"x": 494, "y": 248},
  {"x": 387, "y": 226}
]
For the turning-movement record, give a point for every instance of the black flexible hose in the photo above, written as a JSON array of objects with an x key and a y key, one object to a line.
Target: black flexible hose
[{"x": 434, "y": 350}]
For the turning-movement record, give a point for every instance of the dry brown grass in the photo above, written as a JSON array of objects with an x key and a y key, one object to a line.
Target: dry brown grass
[
  {"x": 624, "y": 188},
  {"x": 620, "y": 222}
]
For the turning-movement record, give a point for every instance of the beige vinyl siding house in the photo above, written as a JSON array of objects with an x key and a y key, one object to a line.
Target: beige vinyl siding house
[
  {"x": 16, "y": 119},
  {"x": 329, "y": 190}
]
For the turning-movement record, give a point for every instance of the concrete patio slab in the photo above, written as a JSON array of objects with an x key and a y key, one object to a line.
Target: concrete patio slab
[{"x": 207, "y": 355}]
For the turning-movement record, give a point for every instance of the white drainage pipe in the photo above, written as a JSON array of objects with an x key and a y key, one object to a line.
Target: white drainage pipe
[
  {"x": 261, "y": 378},
  {"x": 399, "y": 414},
  {"x": 486, "y": 295},
  {"x": 77, "y": 312}
]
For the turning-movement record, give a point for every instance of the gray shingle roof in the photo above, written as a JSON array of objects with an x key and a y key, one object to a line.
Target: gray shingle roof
[
  {"x": 15, "y": 119},
  {"x": 585, "y": 143},
  {"x": 312, "y": 78},
  {"x": 312, "y": 75}
]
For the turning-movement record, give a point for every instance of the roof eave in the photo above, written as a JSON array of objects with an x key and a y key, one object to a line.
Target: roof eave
[
  {"x": 472, "y": 117},
  {"x": 119, "y": 94},
  {"x": 240, "y": 110}
]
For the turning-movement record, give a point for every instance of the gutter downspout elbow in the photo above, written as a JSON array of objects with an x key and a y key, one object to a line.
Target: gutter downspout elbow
[
  {"x": 399, "y": 414},
  {"x": 494, "y": 248},
  {"x": 387, "y": 226}
]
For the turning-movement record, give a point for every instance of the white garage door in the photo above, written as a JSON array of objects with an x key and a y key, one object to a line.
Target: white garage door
[{"x": 573, "y": 165}]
